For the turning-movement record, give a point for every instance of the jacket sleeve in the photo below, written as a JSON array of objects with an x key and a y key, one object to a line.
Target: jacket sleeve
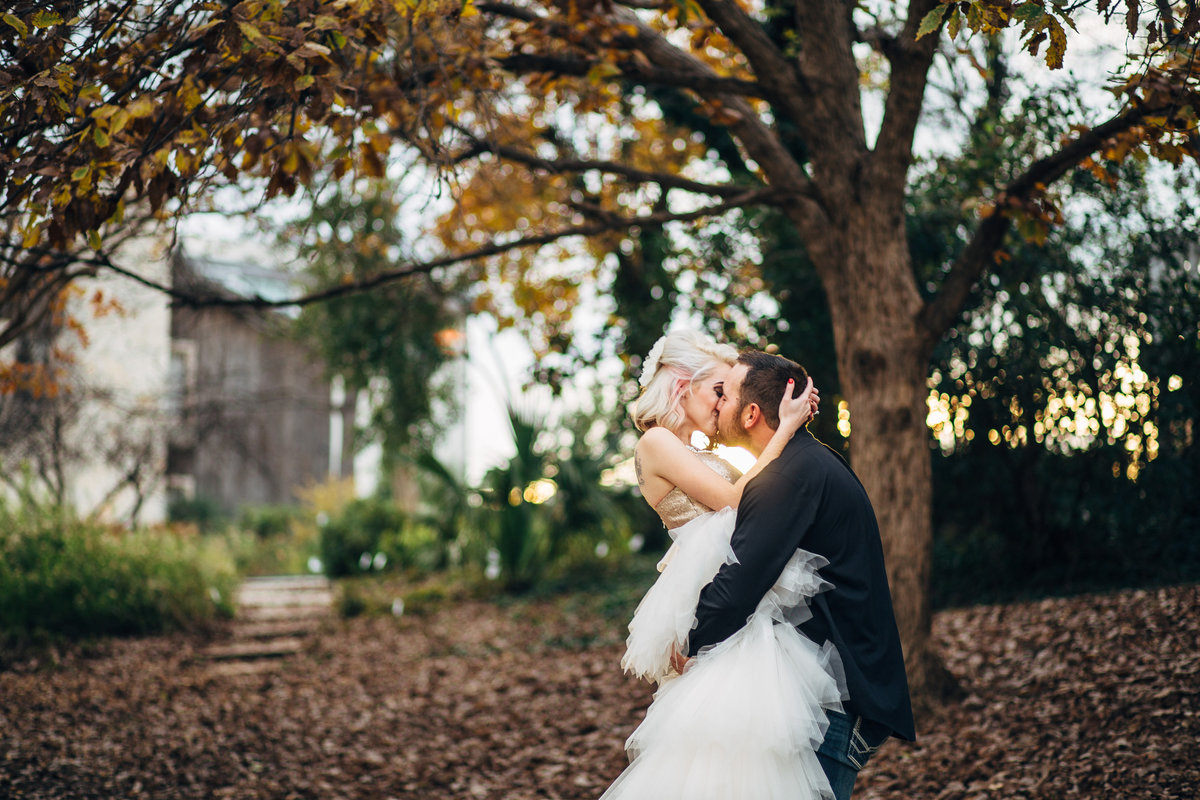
[{"x": 774, "y": 515}]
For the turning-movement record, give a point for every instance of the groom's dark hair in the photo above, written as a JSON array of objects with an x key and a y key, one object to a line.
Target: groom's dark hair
[{"x": 766, "y": 379}]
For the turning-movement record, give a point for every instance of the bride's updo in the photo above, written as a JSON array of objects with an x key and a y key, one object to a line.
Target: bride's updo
[{"x": 676, "y": 361}]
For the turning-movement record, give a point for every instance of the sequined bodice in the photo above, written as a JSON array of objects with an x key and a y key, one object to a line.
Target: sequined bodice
[{"x": 676, "y": 507}]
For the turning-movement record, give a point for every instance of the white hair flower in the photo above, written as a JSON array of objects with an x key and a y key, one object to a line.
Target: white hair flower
[{"x": 650, "y": 364}]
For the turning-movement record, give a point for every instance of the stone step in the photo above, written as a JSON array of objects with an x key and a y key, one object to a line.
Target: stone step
[
  {"x": 254, "y": 650},
  {"x": 276, "y": 613},
  {"x": 258, "y": 597},
  {"x": 236, "y": 669},
  {"x": 289, "y": 581},
  {"x": 273, "y": 629}
]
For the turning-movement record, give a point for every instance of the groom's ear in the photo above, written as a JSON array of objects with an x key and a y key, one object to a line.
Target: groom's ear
[{"x": 751, "y": 415}]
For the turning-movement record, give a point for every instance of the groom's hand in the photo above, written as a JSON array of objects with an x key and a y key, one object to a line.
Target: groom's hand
[{"x": 679, "y": 662}]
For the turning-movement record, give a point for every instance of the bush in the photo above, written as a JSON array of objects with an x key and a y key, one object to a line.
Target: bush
[
  {"x": 270, "y": 521},
  {"x": 271, "y": 540},
  {"x": 63, "y": 577},
  {"x": 279, "y": 554},
  {"x": 374, "y": 534},
  {"x": 203, "y": 512}
]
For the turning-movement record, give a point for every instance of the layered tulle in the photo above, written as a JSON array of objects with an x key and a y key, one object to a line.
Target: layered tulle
[
  {"x": 667, "y": 614},
  {"x": 746, "y": 718}
]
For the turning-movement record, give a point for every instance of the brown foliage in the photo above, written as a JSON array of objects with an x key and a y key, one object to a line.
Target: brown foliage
[{"x": 1087, "y": 697}]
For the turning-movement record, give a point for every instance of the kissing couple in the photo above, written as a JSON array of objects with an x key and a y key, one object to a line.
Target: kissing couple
[{"x": 769, "y": 630}]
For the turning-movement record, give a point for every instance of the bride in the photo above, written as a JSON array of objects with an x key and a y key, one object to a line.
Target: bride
[{"x": 746, "y": 717}]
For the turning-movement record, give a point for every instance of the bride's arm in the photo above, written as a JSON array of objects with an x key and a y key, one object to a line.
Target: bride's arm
[
  {"x": 793, "y": 414},
  {"x": 663, "y": 456}
]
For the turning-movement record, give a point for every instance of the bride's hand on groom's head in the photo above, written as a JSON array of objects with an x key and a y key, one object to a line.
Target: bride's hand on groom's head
[{"x": 795, "y": 411}]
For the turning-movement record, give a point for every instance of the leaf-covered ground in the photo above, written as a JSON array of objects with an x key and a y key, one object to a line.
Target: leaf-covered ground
[{"x": 1087, "y": 697}]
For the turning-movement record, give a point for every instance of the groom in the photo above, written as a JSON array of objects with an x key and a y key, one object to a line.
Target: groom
[{"x": 809, "y": 498}]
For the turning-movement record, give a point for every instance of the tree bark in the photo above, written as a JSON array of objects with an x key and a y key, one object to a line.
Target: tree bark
[{"x": 883, "y": 361}]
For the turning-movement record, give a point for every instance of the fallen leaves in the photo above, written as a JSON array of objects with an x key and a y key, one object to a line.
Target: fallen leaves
[{"x": 1085, "y": 697}]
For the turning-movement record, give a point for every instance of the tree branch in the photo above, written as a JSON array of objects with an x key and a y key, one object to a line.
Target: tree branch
[
  {"x": 910, "y": 61},
  {"x": 879, "y": 39},
  {"x": 783, "y": 82},
  {"x": 760, "y": 142},
  {"x": 633, "y": 72},
  {"x": 943, "y": 309},
  {"x": 679, "y": 68},
  {"x": 826, "y": 60},
  {"x": 606, "y": 222},
  {"x": 563, "y": 166}
]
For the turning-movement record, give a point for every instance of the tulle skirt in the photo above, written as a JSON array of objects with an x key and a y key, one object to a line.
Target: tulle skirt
[{"x": 746, "y": 718}]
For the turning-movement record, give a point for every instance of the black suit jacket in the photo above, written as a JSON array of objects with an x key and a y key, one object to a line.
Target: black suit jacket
[{"x": 809, "y": 498}]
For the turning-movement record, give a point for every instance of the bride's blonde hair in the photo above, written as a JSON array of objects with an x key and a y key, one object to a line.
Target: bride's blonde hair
[{"x": 676, "y": 362}]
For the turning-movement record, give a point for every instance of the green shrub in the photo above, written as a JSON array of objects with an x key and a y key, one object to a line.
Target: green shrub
[
  {"x": 63, "y": 577},
  {"x": 414, "y": 546},
  {"x": 351, "y": 541},
  {"x": 376, "y": 595},
  {"x": 270, "y": 521},
  {"x": 278, "y": 554},
  {"x": 203, "y": 512}
]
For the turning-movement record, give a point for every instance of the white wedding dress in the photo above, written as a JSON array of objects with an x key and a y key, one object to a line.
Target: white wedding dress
[{"x": 745, "y": 719}]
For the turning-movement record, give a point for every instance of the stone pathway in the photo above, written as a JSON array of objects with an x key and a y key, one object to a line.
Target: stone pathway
[{"x": 275, "y": 614}]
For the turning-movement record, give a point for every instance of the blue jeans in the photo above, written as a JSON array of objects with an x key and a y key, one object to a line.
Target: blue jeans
[{"x": 849, "y": 743}]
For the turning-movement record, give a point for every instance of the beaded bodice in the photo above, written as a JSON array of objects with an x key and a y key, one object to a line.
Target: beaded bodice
[{"x": 676, "y": 507}]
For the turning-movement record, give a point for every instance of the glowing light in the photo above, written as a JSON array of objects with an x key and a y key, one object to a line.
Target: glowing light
[
  {"x": 1174, "y": 383},
  {"x": 843, "y": 423},
  {"x": 740, "y": 457},
  {"x": 540, "y": 491}
]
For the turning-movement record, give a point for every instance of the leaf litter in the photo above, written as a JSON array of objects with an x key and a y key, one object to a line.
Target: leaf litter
[{"x": 1083, "y": 697}]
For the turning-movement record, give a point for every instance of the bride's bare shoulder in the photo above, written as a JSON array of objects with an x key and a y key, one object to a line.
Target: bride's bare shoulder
[{"x": 658, "y": 439}]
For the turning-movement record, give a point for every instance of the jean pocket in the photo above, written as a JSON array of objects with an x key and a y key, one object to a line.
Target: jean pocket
[{"x": 861, "y": 750}]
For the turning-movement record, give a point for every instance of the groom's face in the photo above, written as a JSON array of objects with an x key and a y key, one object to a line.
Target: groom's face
[{"x": 729, "y": 420}]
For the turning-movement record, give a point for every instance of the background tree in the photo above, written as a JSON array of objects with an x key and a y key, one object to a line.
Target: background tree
[
  {"x": 545, "y": 116},
  {"x": 389, "y": 343},
  {"x": 1056, "y": 384}
]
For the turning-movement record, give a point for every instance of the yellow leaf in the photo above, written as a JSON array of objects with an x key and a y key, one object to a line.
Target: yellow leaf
[
  {"x": 118, "y": 121},
  {"x": 100, "y": 137},
  {"x": 602, "y": 70},
  {"x": 142, "y": 107},
  {"x": 931, "y": 21},
  {"x": 15, "y": 22},
  {"x": 468, "y": 9},
  {"x": 61, "y": 196},
  {"x": 303, "y": 82},
  {"x": 1058, "y": 45},
  {"x": 253, "y": 34},
  {"x": 93, "y": 238},
  {"x": 291, "y": 162},
  {"x": 46, "y": 19}
]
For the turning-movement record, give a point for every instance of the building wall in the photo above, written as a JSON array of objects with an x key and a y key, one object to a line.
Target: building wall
[
  {"x": 255, "y": 410},
  {"x": 120, "y": 378}
]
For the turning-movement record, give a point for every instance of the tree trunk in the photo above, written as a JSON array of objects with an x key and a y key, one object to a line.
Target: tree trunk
[{"x": 883, "y": 363}]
